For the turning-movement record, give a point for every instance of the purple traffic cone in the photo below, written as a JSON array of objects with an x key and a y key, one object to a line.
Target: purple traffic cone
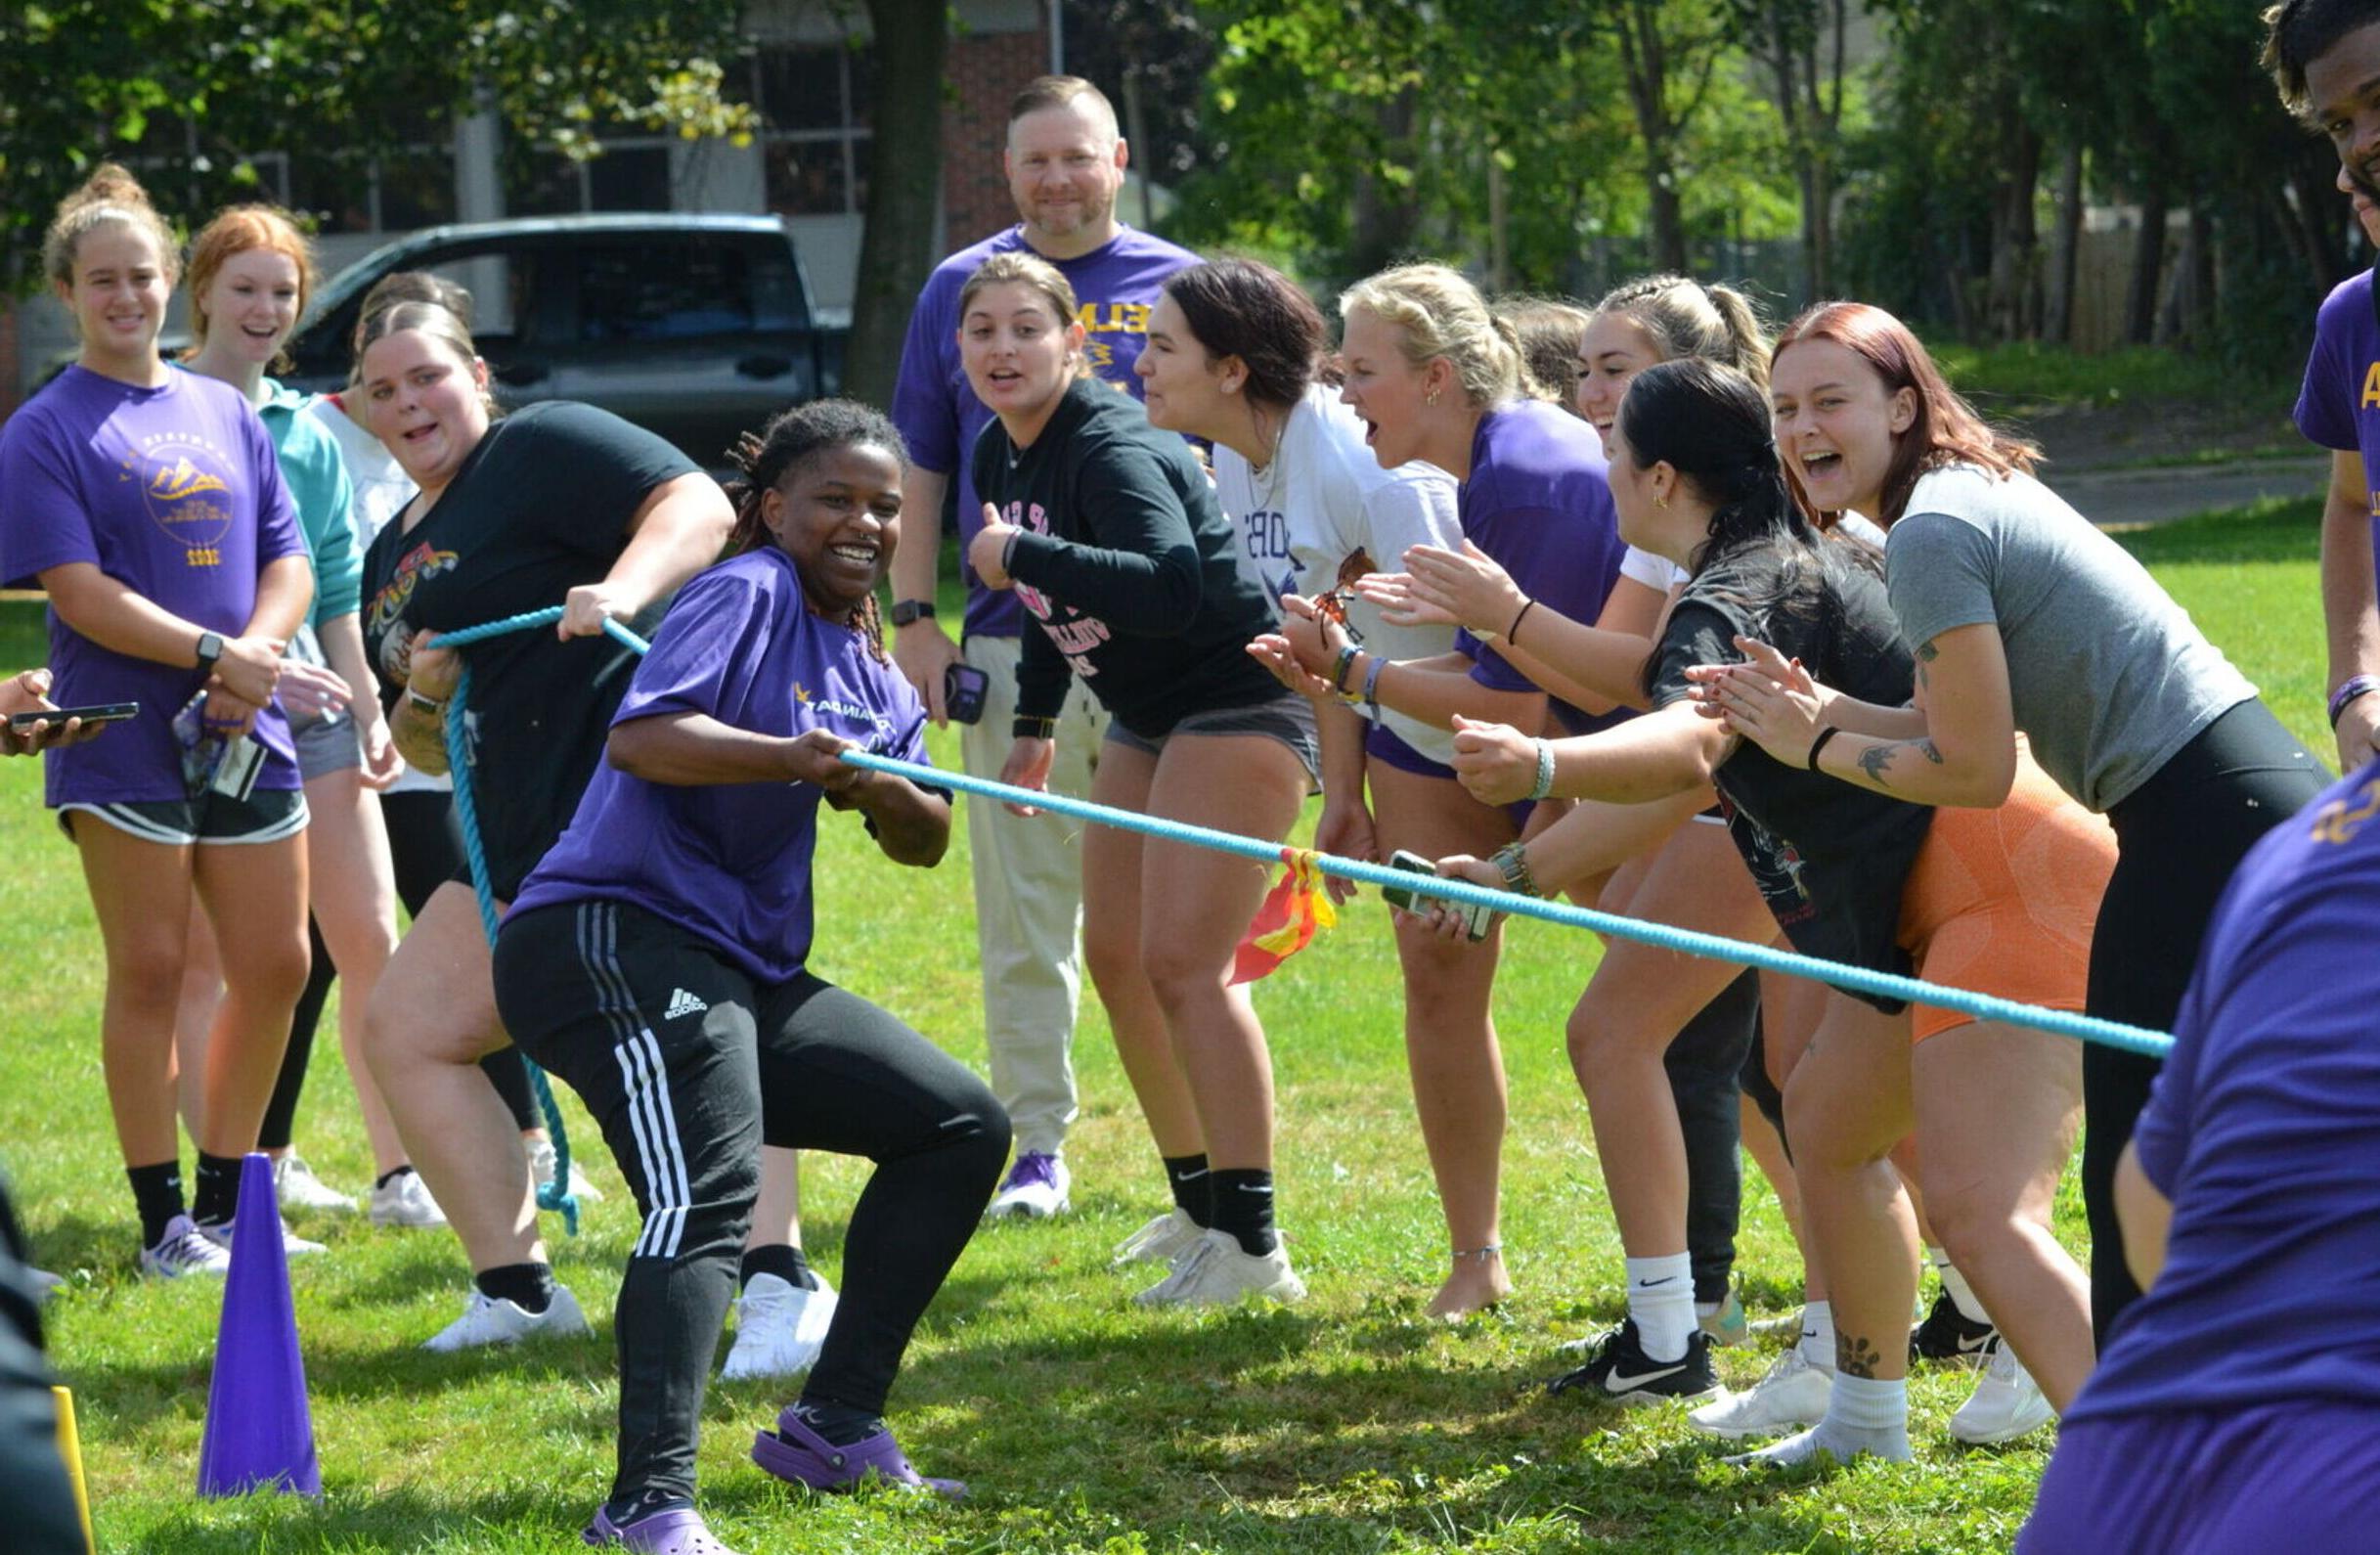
[{"x": 259, "y": 1431}]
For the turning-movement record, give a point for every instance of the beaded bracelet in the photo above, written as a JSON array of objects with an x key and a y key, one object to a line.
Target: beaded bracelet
[{"x": 1544, "y": 786}]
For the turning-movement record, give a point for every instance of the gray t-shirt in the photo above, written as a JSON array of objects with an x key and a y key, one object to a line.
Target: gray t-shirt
[{"x": 2106, "y": 673}]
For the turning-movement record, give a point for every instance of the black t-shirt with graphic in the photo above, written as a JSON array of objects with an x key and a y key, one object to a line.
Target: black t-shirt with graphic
[
  {"x": 1127, "y": 565},
  {"x": 1831, "y": 859},
  {"x": 540, "y": 507}
]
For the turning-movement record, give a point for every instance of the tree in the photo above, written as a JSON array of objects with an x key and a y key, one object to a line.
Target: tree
[
  {"x": 190, "y": 89},
  {"x": 1800, "y": 43},
  {"x": 903, "y": 189}
]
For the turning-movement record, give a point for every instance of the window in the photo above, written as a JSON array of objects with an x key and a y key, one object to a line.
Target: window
[
  {"x": 641, "y": 290},
  {"x": 815, "y": 99}
]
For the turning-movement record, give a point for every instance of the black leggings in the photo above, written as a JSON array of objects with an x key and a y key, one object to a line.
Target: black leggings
[
  {"x": 1703, "y": 1063},
  {"x": 690, "y": 1066},
  {"x": 2178, "y": 836},
  {"x": 426, "y": 846}
]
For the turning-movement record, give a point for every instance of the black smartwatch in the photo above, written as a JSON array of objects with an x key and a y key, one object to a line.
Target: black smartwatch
[
  {"x": 210, "y": 648},
  {"x": 906, "y": 610}
]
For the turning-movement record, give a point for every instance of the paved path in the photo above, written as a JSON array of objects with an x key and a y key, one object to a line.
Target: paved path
[{"x": 2160, "y": 496}]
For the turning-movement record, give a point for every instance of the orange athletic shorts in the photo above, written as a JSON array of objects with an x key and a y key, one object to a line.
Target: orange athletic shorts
[{"x": 2004, "y": 901}]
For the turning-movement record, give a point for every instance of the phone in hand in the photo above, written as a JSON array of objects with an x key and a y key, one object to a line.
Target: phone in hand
[
  {"x": 96, "y": 713},
  {"x": 964, "y": 688},
  {"x": 1475, "y": 918}
]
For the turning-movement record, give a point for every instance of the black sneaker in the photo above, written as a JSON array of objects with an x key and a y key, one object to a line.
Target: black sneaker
[
  {"x": 1621, "y": 1372},
  {"x": 1949, "y": 1335}
]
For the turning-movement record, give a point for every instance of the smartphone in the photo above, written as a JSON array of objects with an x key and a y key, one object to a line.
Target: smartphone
[
  {"x": 97, "y": 713},
  {"x": 963, "y": 687},
  {"x": 1475, "y": 918}
]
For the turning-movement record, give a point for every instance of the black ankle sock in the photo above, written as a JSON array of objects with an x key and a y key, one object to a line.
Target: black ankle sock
[
  {"x": 527, "y": 1286},
  {"x": 786, "y": 1263},
  {"x": 644, "y": 1504},
  {"x": 839, "y": 1423},
  {"x": 391, "y": 1174},
  {"x": 1243, "y": 1207},
  {"x": 156, "y": 1193},
  {"x": 217, "y": 1198},
  {"x": 1191, "y": 1185}
]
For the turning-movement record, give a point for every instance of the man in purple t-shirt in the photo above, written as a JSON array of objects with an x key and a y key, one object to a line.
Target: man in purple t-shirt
[
  {"x": 2322, "y": 59},
  {"x": 1065, "y": 163}
]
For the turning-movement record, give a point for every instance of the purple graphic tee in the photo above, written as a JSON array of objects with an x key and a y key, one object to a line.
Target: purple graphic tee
[
  {"x": 176, "y": 493},
  {"x": 938, "y": 412},
  {"x": 731, "y": 862},
  {"x": 1538, "y": 501},
  {"x": 2339, "y": 406}
]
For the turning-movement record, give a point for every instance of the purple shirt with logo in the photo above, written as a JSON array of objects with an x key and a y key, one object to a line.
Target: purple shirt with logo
[
  {"x": 1540, "y": 503},
  {"x": 176, "y": 493},
  {"x": 731, "y": 862},
  {"x": 2339, "y": 406},
  {"x": 937, "y": 410}
]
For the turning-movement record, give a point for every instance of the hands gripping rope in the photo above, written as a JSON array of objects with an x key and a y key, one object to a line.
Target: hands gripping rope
[{"x": 555, "y": 1195}]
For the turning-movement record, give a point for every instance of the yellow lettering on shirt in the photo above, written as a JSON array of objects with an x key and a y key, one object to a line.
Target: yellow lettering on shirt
[
  {"x": 2338, "y": 823},
  {"x": 2372, "y": 386},
  {"x": 1120, "y": 318}
]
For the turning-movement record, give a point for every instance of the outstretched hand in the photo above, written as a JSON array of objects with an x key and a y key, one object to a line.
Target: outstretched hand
[
  {"x": 1769, "y": 699},
  {"x": 1446, "y": 588}
]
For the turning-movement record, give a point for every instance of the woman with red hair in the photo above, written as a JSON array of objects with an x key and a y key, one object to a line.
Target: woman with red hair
[{"x": 2023, "y": 616}]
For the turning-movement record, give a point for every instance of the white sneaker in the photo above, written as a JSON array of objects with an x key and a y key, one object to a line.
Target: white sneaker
[
  {"x": 488, "y": 1321},
  {"x": 541, "y": 1172},
  {"x": 184, "y": 1249},
  {"x": 1790, "y": 1395},
  {"x": 405, "y": 1201},
  {"x": 779, "y": 1328},
  {"x": 1217, "y": 1272},
  {"x": 292, "y": 1245},
  {"x": 1035, "y": 1189},
  {"x": 298, "y": 1188},
  {"x": 2006, "y": 1402},
  {"x": 1161, "y": 1241}
]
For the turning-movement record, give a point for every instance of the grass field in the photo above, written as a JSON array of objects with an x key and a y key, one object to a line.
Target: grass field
[{"x": 1348, "y": 1424}]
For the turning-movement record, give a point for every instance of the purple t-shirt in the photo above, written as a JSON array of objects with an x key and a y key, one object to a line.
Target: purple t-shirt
[
  {"x": 2339, "y": 406},
  {"x": 1539, "y": 502},
  {"x": 938, "y": 412},
  {"x": 2262, "y": 1132},
  {"x": 731, "y": 862},
  {"x": 176, "y": 493}
]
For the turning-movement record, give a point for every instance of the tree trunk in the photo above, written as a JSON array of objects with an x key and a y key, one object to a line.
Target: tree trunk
[
  {"x": 2065, "y": 250},
  {"x": 2015, "y": 239},
  {"x": 903, "y": 190},
  {"x": 2147, "y": 264},
  {"x": 1385, "y": 216}
]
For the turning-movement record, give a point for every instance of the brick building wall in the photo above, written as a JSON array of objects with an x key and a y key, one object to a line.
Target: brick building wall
[{"x": 984, "y": 70}]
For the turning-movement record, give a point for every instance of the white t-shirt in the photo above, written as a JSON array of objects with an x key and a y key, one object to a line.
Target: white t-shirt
[
  {"x": 1324, "y": 498},
  {"x": 381, "y": 491}
]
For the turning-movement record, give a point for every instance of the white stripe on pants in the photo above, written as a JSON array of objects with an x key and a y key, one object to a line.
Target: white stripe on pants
[{"x": 1029, "y": 903}]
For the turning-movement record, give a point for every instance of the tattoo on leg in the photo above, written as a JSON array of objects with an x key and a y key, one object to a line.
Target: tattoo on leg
[{"x": 1855, "y": 1356}]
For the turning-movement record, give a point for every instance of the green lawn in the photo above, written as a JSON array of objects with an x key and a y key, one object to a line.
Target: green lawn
[{"x": 1347, "y": 1424}]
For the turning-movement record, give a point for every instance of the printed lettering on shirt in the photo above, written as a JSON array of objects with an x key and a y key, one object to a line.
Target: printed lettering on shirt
[
  {"x": 185, "y": 485},
  {"x": 2372, "y": 386},
  {"x": 1077, "y": 633},
  {"x": 1264, "y": 537},
  {"x": 2339, "y": 820},
  {"x": 1111, "y": 318},
  {"x": 866, "y": 715}
]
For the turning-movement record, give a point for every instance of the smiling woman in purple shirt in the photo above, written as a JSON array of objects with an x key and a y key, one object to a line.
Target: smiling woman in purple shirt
[
  {"x": 656, "y": 958},
  {"x": 150, "y": 505}
]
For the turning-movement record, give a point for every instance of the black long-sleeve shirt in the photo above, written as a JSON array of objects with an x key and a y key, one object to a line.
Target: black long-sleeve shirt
[{"x": 1127, "y": 563}]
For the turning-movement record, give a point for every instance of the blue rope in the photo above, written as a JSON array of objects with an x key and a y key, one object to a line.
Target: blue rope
[
  {"x": 1857, "y": 979},
  {"x": 556, "y": 1194}
]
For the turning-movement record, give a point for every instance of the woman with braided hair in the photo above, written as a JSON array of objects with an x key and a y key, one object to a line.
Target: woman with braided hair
[{"x": 655, "y": 959}]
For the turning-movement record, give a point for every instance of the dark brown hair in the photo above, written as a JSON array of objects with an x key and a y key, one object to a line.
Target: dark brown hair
[
  {"x": 780, "y": 449},
  {"x": 1238, "y": 307}
]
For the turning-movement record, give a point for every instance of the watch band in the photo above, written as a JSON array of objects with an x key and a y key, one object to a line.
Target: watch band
[
  {"x": 209, "y": 649},
  {"x": 906, "y": 610}
]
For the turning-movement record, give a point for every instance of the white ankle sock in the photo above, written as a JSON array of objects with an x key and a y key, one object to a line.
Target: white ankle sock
[
  {"x": 1661, "y": 1300},
  {"x": 1817, "y": 1344},
  {"x": 1864, "y": 1414},
  {"x": 1962, "y": 1296}
]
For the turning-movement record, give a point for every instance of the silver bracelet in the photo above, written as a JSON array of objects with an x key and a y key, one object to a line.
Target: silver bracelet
[{"x": 1544, "y": 787}]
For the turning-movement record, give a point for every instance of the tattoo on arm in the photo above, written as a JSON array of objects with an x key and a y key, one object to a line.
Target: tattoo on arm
[
  {"x": 1927, "y": 653},
  {"x": 1875, "y": 760},
  {"x": 1856, "y": 1356}
]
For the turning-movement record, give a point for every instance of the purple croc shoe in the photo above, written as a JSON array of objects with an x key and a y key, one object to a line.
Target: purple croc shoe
[
  {"x": 795, "y": 1454},
  {"x": 679, "y": 1532}
]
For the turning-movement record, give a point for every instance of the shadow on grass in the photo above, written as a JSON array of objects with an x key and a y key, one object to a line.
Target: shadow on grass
[{"x": 350, "y": 1517}]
